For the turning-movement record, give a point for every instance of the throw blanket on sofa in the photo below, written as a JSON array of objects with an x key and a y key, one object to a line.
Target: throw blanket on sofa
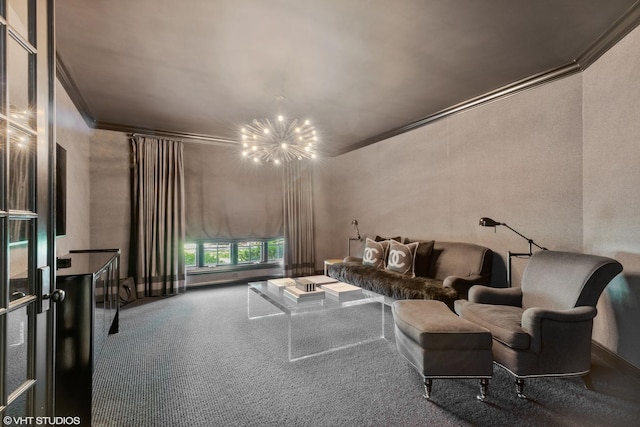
[{"x": 394, "y": 285}]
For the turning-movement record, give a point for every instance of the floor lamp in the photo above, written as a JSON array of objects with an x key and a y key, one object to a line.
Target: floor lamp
[
  {"x": 488, "y": 222},
  {"x": 358, "y": 238}
]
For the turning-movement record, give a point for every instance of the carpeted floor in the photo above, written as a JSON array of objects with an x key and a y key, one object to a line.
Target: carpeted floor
[{"x": 197, "y": 360}]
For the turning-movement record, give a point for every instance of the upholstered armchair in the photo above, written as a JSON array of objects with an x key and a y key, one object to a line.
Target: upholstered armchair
[{"x": 543, "y": 328}]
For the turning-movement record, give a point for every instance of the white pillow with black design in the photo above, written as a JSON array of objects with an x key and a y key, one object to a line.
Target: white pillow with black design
[
  {"x": 375, "y": 253},
  {"x": 402, "y": 258}
]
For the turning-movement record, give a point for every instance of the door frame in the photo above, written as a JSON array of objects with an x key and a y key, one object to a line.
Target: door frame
[{"x": 31, "y": 25}]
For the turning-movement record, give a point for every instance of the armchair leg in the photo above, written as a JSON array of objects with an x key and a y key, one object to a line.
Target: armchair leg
[
  {"x": 520, "y": 388},
  {"x": 484, "y": 385},
  {"x": 427, "y": 388}
]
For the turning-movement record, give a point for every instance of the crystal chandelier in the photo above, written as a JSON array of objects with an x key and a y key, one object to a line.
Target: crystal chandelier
[{"x": 278, "y": 141}]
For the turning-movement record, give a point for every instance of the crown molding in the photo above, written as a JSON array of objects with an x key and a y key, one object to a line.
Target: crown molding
[
  {"x": 62, "y": 73},
  {"x": 618, "y": 30},
  {"x": 519, "y": 86},
  {"x": 69, "y": 85},
  {"x": 623, "y": 26},
  {"x": 158, "y": 133}
]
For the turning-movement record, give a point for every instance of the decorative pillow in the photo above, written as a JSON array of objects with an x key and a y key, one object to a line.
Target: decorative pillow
[
  {"x": 402, "y": 258},
  {"x": 375, "y": 253},
  {"x": 423, "y": 256}
]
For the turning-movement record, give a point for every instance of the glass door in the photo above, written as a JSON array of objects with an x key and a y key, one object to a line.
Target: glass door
[{"x": 26, "y": 245}]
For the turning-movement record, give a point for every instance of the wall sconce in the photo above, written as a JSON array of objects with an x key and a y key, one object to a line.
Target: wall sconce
[
  {"x": 488, "y": 222},
  {"x": 358, "y": 238}
]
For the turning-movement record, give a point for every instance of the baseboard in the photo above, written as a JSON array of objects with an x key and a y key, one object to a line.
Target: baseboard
[{"x": 616, "y": 361}]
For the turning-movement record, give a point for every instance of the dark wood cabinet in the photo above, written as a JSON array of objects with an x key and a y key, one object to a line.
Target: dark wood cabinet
[{"x": 88, "y": 314}]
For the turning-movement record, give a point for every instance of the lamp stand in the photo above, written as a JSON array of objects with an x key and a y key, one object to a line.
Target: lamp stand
[
  {"x": 359, "y": 239},
  {"x": 516, "y": 255}
]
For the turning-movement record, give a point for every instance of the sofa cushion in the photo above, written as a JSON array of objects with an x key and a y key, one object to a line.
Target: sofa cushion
[
  {"x": 375, "y": 253},
  {"x": 504, "y": 322},
  {"x": 460, "y": 259},
  {"x": 401, "y": 258},
  {"x": 423, "y": 256}
]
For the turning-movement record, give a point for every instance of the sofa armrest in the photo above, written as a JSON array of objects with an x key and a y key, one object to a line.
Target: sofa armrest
[
  {"x": 352, "y": 259},
  {"x": 497, "y": 296},
  {"x": 574, "y": 322},
  {"x": 461, "y": 284}
]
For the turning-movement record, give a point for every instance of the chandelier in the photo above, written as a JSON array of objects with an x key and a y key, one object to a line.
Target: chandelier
[{"x": 278, "y": 141}]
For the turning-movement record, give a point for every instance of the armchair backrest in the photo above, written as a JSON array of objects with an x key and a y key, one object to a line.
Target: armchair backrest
[{"x": 564, "y": 280}]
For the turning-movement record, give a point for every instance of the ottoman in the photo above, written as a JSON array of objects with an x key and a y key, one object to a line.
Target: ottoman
[{"x": 439, "y": 344}]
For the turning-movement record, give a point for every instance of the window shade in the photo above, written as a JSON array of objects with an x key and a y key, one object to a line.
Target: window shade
[{"x": 227, "y": 198}]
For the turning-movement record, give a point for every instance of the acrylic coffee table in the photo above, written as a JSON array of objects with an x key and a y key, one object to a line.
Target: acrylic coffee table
[{"x": 320, "y": 326}]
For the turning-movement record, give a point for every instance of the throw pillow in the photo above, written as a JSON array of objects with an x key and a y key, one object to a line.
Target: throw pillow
[
  {"x": 402, "y": 258},
  {"x": 423, "y": 256},
  {"x": 375, "y": 253}
]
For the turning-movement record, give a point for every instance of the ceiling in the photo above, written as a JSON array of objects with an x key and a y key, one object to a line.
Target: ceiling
[{"x": 360, "y": 70}]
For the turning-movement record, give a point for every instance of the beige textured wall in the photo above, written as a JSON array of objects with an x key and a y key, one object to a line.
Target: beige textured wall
[
  {"x": 97, "y": 183},
  {"x": 517, "y": 160},
  {"x": 110, "y": 194},
  {"x": 74, "y": 135},
  {"x": 612, "y": 188}
]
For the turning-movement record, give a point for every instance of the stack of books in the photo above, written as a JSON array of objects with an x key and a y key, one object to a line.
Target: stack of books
[
  {"x": 278, "y": 285},
  {"x": 311, "y": 288},
  {"x": 342, "y": 291},
  {"x": 298, "y": 295},
  {"x": 305, "y": 285},
  {"x": 320, "y": 280}
]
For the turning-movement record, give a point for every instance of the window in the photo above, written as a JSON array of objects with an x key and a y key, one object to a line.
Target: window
[
  {"x": 275, "y": 250},
  {"x": 190, "y": 251},
  {"x": 250, "y": 252},
  {"x": 216, "y": 254},
  {"x": 238, "y": 254}
]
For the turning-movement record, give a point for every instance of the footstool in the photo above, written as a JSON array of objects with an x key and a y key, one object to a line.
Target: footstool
[{"x": 439, "y": 344}]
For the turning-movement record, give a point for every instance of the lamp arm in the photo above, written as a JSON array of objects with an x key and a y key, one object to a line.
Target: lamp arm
[{"x": 531, "y": 242}]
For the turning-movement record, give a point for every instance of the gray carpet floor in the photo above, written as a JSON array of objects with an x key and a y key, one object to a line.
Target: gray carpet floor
[{"x": 197, "y": 360}]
